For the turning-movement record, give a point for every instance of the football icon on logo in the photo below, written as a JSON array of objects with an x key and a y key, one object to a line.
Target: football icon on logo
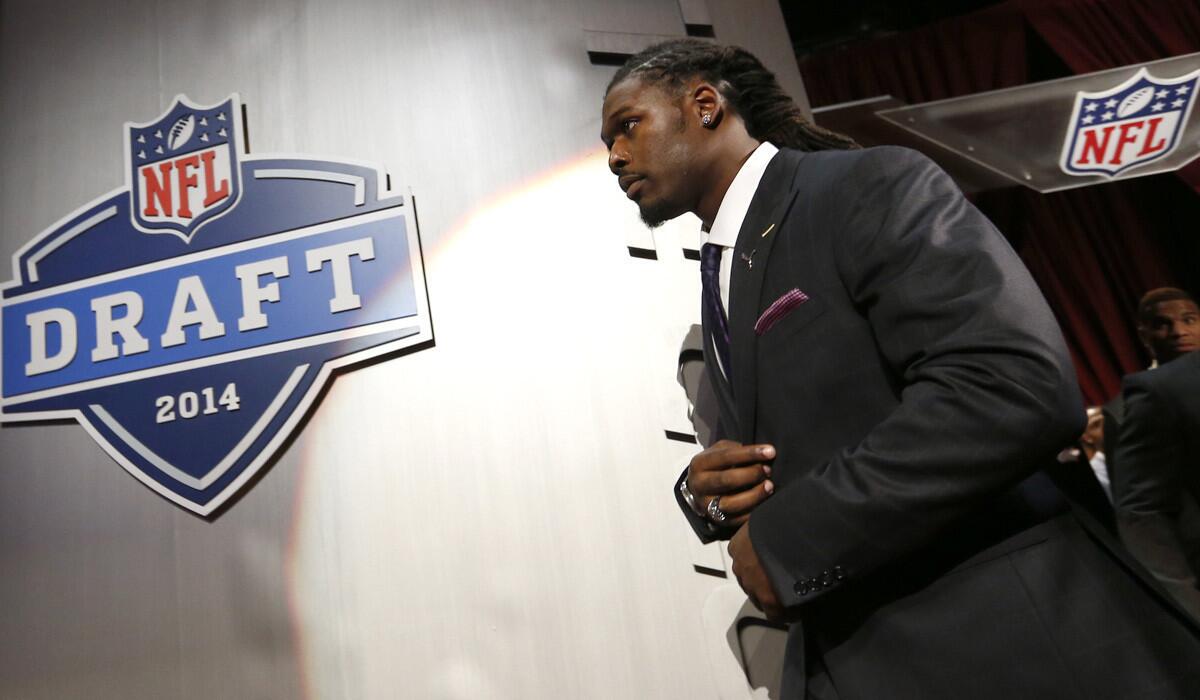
[
  {"x": 1135, "y": 102},
  {"x": 181, "y": 131}
]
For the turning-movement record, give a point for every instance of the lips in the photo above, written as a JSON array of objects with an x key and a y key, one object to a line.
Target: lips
[{"x": 631, "y": 184}]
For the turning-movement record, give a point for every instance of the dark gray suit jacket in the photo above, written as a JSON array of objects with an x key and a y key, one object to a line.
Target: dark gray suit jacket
[
  {"x": 1114, "y": 415},
  {"x": 1157, "y": 488},
  {"x": 911, "y": 392}
]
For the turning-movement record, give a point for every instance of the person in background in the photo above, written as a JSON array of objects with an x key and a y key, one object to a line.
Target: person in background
[
  {"x": 1156, "y": 480},
  {"x": 1081, "y": 472},
  {"x": 1168, "y": 324},
  {"x": 1091, "y": 444}
]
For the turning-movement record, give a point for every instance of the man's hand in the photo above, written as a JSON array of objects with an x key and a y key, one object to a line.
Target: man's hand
[
  {"x": 750, "y": 575},
  {"x": 736, "y": 473}
]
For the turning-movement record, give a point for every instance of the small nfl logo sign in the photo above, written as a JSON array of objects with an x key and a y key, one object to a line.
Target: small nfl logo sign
[
  {"x": 183, "y": 167},
  {"x": 1134, "y": 123}
]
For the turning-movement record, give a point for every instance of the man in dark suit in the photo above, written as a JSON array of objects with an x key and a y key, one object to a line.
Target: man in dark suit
[
  {"x": 1157, "y": 487},
  {"x": 1167, "y": 327},
  {"x": 890, "y": 379}
]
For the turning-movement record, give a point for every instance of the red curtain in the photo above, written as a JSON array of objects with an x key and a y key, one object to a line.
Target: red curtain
[
  {"x": 1092, "y": 35},
  {"x": 1094, "y": 250},
  {"x": 1090, "y": 273},
  {"x": 954, "y": 57}
]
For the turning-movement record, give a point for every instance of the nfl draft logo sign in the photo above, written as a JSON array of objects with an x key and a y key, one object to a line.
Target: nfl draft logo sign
[
  {"x": 1134, "y": 123},
  {"x": 191, "y": 318}
]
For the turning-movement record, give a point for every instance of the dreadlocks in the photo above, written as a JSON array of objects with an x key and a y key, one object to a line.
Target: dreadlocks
[{"x": 769, "y": 113}]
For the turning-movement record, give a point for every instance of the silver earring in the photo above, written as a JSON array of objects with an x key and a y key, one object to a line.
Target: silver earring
[{"x": 706, "y": 120}]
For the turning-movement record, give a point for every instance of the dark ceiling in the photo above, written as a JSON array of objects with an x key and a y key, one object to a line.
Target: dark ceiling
[{"x": 820, "y": 25}]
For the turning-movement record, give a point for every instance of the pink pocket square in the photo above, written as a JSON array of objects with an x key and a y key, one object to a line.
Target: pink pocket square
[{"x": 778, "y": 309}]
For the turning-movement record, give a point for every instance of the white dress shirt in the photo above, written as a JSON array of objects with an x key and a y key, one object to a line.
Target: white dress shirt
[
  {"x": 1099, "y": 465},
  {"x": 732, "y": 212}
]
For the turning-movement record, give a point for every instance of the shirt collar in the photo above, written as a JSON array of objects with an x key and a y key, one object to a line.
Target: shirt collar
[{"x": 736, "y": 202}]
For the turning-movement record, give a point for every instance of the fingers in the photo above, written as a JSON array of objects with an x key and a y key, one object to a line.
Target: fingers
[
  {"x": 750, "y": 575},
  {"x": 740, "y": 490},
  {"x": 737, "y": 506},
  {"x": 727, "y": 467},
  {"x": 736, "y": 473},
  {"x": 772, "y": 611},
  {"x": 726, "y": 454},
  {"x": 730, "y": 480}
]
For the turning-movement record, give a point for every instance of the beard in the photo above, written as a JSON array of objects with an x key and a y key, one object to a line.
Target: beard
[{"x": 655, "y": 214}]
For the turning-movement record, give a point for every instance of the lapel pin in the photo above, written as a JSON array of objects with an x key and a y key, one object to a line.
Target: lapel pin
[
  {"x": 749, "y": 259},
  {"x": 764, "y": 233}
]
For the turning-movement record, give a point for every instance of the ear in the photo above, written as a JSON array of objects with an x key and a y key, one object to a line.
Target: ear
[{"x": 706, "y": 104}]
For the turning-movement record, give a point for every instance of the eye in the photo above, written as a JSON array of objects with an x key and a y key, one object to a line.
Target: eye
[{"x": 627, "y": 125}]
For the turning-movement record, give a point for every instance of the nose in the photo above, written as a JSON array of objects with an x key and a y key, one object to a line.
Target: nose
[
  {"x": 1177, "y": 329},
  {"x": 618, "y": 158}
]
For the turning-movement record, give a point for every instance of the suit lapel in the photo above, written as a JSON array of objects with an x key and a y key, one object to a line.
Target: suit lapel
[{"x": 759, "y": 230}]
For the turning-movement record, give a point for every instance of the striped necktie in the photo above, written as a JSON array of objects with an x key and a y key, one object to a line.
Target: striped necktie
[{"x": 712, "y": 313}]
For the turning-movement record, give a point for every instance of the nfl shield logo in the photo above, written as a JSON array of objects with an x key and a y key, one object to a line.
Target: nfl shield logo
[
  {"x": 183, "y": 167},
  {"x": 1134, "y": 123}
]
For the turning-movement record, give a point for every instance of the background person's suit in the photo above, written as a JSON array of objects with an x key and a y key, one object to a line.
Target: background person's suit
[
  {"x": 911, "y": 393},
  {"x": 1157, "y": 488}
]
